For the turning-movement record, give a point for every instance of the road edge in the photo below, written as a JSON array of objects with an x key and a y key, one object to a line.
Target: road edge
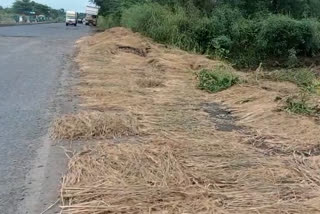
[
  {"x": 44, "y": 178},
  {"x": 22, "y": 24},
  {"x": 43, "y": 181}
]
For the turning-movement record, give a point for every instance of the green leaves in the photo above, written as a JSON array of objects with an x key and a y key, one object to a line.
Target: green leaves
[
  {"x": 245, "y": 32},
  {"x": 28, "y": 7},
  {"x": 300, "y": 105},
  {"x": 216, "y": 80}
]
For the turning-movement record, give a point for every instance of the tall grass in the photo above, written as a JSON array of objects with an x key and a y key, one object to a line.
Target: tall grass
[
  {"x": 302, "y": 77},
  {"x": 105, "y": 22},
  {"x": 224, "y": 33},
  {"x": 161, "y": 23}
]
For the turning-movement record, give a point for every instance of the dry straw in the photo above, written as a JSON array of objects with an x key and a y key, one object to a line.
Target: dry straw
[
  {"x": 184, "y": 164},
  {"x": 191, "y": 178},
  {"x": 151, "y": 82},
  {"x": 97, "y": 125}
]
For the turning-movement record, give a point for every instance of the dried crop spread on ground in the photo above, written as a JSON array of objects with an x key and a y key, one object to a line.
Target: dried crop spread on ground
[{"x": 187, "y": 151}]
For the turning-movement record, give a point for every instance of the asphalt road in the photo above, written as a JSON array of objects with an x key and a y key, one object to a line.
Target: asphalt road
[{"x": 32, "y": 59}]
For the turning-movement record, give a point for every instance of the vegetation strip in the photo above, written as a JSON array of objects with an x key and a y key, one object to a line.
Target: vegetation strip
[{"x": 245, "y": 32}]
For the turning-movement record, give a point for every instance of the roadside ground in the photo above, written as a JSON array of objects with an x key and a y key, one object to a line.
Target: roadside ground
[{"x": 158, "y": 144}]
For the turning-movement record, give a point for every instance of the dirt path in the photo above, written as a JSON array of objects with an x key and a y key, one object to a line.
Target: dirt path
[{"x": 160, "y": 145}]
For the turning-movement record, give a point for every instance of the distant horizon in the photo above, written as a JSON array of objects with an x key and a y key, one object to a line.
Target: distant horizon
[{"x": 75, "y": 5}]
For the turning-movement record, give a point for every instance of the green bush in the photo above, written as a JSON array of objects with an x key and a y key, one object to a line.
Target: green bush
[
  {"x": 315, "y": 28},
  {"x": 222, "y": 46},
  {"x": 105, "y": 22},
  {"x": 213, "y": 33},
  {"x": 224, "y": 32},
  {"x": 244, "y": 50},
  {"x": 152, "y": 20},
  {"x": 216, "y": 80},
  {"x": 204, "y": 34},
  {"x": 162, "y": 24},
  {"x": 279, "y": 34}
]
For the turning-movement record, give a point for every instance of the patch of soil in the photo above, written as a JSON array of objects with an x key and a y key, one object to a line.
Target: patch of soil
[{"x": 221, "y": 117}]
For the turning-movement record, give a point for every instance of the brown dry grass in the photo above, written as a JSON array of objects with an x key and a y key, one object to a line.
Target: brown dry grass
[
  {"x": 167, "y": 177},
  {"x": 90, "y": 125},
  {"x": 149, "y": 82},
  {"x": 197, "y": 157}
]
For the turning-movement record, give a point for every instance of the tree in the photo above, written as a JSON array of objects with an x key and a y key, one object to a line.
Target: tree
[
  {"x": 40, "y": 9},
  {"x": 27, "y": 6},
  {"x": 22, "y": 6}
]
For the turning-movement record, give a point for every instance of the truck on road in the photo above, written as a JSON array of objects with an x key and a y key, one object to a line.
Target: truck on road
[
  {"x": 71, "y": 18},
  {"x": 91, "y": 15}
]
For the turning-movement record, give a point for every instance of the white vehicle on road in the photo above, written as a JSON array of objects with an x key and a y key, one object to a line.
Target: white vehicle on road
[
  {"x": 71, "y": 18},
  {"x": 91, "y": 15}
]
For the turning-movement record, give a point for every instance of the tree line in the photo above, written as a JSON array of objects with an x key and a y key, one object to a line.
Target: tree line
[
  {"x": 246, "y": 32},
  {"x": 28, "y": 7},
  {"x": 295, "y": 8}
]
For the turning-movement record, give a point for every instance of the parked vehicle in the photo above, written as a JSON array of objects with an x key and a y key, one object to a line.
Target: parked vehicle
[
  {"x": 91, "y": 15},
  {"x": 71, "y": 18}
]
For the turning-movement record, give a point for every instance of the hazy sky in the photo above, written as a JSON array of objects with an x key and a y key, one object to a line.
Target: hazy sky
[{"x": 77, "y": 5}]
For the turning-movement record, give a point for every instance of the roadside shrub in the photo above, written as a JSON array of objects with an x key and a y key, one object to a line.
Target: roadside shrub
[
  {"x": 244, "y": 49},
  {"x": 163, "y": 24},
  {"x": 224, "y": 32},
  {"x": 279, "y": 34},
  {"x": 153, "y": 20},
  {"x": 189, "y": 31},
  {"x": 139, "y": 17},
  {"x": 222, "y": 46},
  {"x": 216, "y": 80},
  {"x": 215, "y": 35},
  {"x": 105, "y": 22},
  {"x": 314, "y": 25},
  {"x": 203, "y": 31},
  {"x": 226, "y": 17}
]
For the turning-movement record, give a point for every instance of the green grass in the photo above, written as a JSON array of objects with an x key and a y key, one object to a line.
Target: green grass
[
  {"x": 302, "y": 77},
  {"x": 308, "y": 83},
  {"x": 225, "y": 33},
  {"x": 216, "y": 80},
  {"x": 300, "y": 105},
  {"x": 108, "y": 22}
]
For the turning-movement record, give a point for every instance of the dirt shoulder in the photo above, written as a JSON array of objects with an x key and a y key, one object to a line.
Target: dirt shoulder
[{"x": 157, "y": 144}]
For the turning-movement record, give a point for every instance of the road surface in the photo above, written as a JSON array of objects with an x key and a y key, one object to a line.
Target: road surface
[{"x": 32, "y": 61}]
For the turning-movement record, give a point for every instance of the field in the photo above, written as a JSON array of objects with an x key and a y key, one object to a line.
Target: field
[{"x": 157, "y": 143}]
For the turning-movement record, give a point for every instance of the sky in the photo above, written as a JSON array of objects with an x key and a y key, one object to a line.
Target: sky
[{"x": 77, "y": 5}]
